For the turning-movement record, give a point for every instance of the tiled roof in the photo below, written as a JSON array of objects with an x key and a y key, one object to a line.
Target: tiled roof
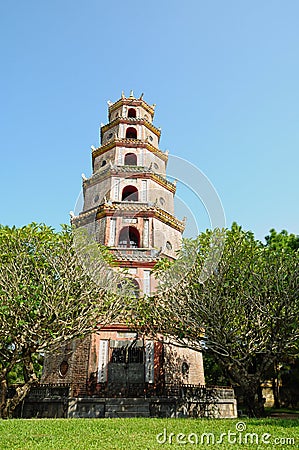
[
  {"x": 133, "y": 102},
  {"x": 140, "y": 120},
  {"x": 131, "y": 143},
  {"x": 113, "y": 168},
  {"x": 111, "y": 208},
  {"x": 136, "y": 255},
  {"x": 142, "y": 207}
]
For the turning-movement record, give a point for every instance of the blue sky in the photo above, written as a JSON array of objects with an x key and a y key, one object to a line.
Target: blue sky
[{"x": 224, "y": 76}]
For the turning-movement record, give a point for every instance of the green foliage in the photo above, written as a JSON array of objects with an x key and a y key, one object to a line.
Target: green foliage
[
  {"x": 47, "y": 297},
  {"x": 214, "y": 373},
  {"x": 16, "y": 375},
  {"x": 240, "y": 302},
  {"x": 282, "y": 240}
]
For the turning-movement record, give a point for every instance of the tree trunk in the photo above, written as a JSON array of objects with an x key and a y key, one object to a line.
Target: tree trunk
[
  {"x": 275, "y": 386},
  {"x": 12, "y": 403},
  {"x": 253, "y": 399},
  {"x": 8, "y": 405},
  {"x": 275, "y": 390},
  {"x": 249, "y": 384},
  {"x": 3, "y": 407}
]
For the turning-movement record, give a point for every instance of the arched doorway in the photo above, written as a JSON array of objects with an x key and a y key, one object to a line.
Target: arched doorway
[
  {"x": 132, "y": 112},
  {"x": 130, "y": 194},
  {"x": 129, "y": 237},
  {"x": 130, "y": 159},
  {"x": 131, "y": 133},
  {"x": 135, "y": 288}
]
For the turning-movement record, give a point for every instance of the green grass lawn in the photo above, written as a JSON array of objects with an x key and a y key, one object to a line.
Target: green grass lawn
[
  {"x": 282, "y": 410},
  {"x": 131, "y": 434}
]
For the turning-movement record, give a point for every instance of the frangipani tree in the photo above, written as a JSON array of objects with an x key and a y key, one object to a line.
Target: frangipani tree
[
  {"x": 246, "y": 311},
  {"x": 51, "y": 291}
]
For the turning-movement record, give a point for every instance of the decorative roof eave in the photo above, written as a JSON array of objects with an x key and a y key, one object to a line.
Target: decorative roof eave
[
  {"x": 139, "y": 210},
  {"x": 117, "y": 142},
  {"x": 138, "y": 255},
  {"x": 131, "y": 121},
  {"x": 115, "y": 327},
  {"x": 164, "y": 182},
  {"x": 136, "y": 171},
  {"x": 157, "y": 151},
  {"x": 84, "y": 217},
  {"x": 127, "y": 263},
  {"x": 132, "y": 102},
  {"x": 170, "y": 220}
]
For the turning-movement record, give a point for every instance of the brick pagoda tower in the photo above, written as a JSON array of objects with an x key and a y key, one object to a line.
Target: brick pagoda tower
[{"x": 129, "y": 207}]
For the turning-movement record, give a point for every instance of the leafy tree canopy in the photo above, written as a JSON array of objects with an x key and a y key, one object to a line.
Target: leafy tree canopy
[
  {"x": 54, "y": 287},
  {"x": 244, "y": 310}
]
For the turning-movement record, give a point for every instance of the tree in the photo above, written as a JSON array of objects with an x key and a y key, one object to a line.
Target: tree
[
  {"x": 214, "y": 374},
  {"x": 245, "y": 312},
  {"x": 284, "y": 242},
  {"x": 48, "y": 297}
]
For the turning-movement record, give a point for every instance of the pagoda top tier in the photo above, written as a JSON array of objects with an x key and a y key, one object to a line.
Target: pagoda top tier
[
  {"x": 116, "y": 109},
  {"x": 130, "y": 130}
]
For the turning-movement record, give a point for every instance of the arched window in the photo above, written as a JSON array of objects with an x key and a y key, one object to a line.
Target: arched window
[
  {"x": 129, "y": 238},
  {"x": 130, "y": 194},
  {"x": 63, "y": 368},
  {"x": 133, "y": 285},
  {"x": 131, "y": 133},
  {"x": 135, "y": 288},
  {"x": 185, "y": 369},
  {"x": 168, "y": 245},
  {"x": 132, "y": 112},
  {"x": 130, "y": 159}
]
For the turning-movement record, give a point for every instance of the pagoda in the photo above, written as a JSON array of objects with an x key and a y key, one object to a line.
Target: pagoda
[{"x": 128, "y": 207}]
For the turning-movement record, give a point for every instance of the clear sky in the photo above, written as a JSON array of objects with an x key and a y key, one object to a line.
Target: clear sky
[{"x": 224, "y": 76}]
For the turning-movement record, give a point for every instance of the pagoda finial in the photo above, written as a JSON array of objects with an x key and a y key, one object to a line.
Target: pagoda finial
[
  {"x": 141, "y": 96},
  {"x": 122, "y": 94},
  {"x": 131, "y": 94}
]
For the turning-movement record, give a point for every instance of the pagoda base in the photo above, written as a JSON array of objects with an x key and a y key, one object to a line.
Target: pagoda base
[{"x": 188, "y": 401}]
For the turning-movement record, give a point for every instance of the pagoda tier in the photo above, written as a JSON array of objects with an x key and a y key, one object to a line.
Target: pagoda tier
[{"x": 128, "y": 201}]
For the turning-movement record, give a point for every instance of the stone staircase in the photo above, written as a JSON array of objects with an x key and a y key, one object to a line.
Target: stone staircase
[
  {"x": 109, "y": 407},
  {"x": 127, "y": 407}
]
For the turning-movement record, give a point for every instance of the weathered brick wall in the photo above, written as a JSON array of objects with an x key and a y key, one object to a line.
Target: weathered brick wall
[
  {"x": 76, "y": 356},
  {"x": 183, "y": 365}
]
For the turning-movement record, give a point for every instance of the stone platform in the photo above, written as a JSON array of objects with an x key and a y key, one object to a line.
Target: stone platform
[{"x": 55, "y": 402}]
